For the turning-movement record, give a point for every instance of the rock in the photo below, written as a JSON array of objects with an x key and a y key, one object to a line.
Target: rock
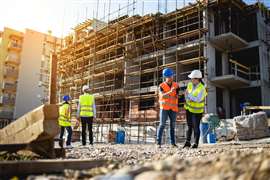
[
  {"x": 153, "y": 175},
  {"x": 265, "y": 166}
]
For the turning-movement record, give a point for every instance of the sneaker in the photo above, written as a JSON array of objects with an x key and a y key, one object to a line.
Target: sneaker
[
  {"x": 187, "y": 144},
  {"x": 194, "y": 146},
  {"x": 69, "y": 147},
  {"x": 174, "y": 146},
  {"x": 158, "y": 146}
]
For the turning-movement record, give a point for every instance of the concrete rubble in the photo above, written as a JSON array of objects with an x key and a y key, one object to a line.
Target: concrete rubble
[{"x": 252, "y": 126}]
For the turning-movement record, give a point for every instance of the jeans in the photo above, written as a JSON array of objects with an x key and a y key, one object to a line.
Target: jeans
[
  {"x": 69, "y": 130},
  {"x": 89, "y": 122},
  {"x": 164, "y": 115},
  {"x": 193, "y": 122}
]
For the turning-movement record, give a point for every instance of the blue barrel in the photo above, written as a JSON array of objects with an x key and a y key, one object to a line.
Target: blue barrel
[
  {"x": 211, "y": 138},
  {"x": 204, "y": 127},
  {"x": 120, "y": 137}
]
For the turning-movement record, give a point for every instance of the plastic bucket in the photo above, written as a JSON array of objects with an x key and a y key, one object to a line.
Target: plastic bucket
[
  {"x": 211, "y": 138},
  {"x": 204, "y": 127},
  {"x": 120, "y": 137}
]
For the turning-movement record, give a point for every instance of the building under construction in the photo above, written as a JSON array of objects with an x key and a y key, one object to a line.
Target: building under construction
[{"x": 122, "y": 60}]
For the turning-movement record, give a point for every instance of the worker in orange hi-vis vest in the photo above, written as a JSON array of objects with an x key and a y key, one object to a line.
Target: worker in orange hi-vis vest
[{"x": 168, "y": 100}]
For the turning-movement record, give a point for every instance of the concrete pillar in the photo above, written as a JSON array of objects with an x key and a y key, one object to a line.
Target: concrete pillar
[
  {"x": 264, "y": 61},
  {"x": 225, "y": 63},
  {"x": 209, "y": 51},
  {"x": 234, "y": 105},
  {"x": 226, "y": 102}
]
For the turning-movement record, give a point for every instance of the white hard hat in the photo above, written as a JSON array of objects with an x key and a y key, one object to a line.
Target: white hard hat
[
  {"x": 195, "y": 74},
  {"x": 85, "y": 88}
]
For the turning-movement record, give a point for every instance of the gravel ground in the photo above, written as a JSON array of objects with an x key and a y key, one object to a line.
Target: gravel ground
[{"x": 242, "y": 161}]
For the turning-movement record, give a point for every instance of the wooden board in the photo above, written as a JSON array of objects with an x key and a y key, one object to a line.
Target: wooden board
[{"x": 13, "y": 168}]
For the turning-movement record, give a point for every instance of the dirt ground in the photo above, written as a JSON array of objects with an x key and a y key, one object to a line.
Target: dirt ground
[{"x": 230, "y": 160}]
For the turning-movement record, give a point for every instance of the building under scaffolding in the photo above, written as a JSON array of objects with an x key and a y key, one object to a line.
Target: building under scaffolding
[{"x": 122, "y": 61}]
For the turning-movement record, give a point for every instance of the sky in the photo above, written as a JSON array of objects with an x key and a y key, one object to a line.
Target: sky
[{"x": 60, "y": 16}]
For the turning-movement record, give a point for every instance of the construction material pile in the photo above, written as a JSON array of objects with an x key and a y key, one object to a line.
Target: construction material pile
[{"x": 252, "y": 126}]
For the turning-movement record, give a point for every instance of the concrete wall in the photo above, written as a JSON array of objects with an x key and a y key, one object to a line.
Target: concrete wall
[{"x": 27, "y": 88}]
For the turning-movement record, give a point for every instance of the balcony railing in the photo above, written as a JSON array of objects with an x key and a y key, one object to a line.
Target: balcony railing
[
  {"x": 245, "y": 72},
  {"x": 13, "y": 73},
  {"x": 9, "y": 86},
  {"x": 14, "y": 46},
  {"x": 8, "y": 100},
  {"x": 6, "y": 114},
  {"x": 9, "y": 59}
]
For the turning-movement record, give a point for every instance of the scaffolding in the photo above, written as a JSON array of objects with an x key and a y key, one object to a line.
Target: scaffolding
[{"x": 122, "y": 60}]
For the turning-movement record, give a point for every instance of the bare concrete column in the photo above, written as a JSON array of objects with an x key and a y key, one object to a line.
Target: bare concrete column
[
  {"x": 225, "y": 63},
  {"x": 226, "y": 102}
]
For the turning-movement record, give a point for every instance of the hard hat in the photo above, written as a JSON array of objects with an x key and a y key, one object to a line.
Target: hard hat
[
  {"x": 167, "y": 72},
  {"x": 195, "y": 74},
  {"x": 66, "y": 98},
  {"x": 85, "y": 88}
]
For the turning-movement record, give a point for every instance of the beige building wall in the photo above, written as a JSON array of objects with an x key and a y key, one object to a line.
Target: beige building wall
[
  {"x": 33, "y": 73},
  {"x": 10, "y": 52}
]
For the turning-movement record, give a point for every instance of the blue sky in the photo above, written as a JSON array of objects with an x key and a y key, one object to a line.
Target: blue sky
[{"x": 61, "y": 15}]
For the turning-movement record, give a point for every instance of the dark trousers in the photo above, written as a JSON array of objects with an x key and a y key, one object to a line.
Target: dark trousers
[
  {"x": 193, "y": 122},
  {"x": 87, "y": 121},
  {"x": 69, "y": 130}
]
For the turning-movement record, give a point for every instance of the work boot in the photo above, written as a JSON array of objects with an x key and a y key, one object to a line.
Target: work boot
[
  {"x": 69, "y": 147},
  {"x": 174, "y": 146},
  {"x": 194, "y": 146},
  {"x": 187, "y": 144},
  {"x": 61, "y": 143}
]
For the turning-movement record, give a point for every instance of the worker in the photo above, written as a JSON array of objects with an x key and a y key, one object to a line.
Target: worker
[
  {"x": 168, "y": 100},
  {"x": 64, "y": 121},
  {"x": 86, "y": 113},
  {"x": 195, "y": 102}
]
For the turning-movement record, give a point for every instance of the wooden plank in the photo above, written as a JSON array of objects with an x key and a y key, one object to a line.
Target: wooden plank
[
  {"x": 258, "y": 107},
  {"x": 53, "y": 79},
  {"x": 13, "y": 168}
]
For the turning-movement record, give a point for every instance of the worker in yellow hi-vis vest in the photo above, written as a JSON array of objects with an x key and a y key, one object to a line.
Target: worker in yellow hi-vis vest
[
  {"x": 86, "y": 112},
  {"x": 195, "y": 102},
  {"x": 64, "y": 121}
]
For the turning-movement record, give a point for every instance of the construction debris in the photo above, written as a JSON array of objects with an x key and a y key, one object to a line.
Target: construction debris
[{"x": 252, "y": 126}]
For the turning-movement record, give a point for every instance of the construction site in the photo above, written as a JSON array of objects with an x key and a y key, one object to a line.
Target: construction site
[{"x": 121, "y": 58}]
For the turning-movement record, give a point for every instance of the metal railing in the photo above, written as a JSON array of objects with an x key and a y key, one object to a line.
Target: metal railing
[
  {"x": 6, "y": 114},
  {"x": 8, "y": 100},
  {"x": 4, "y": 122},
  {"x": 240, "y": 70},
  {"x": 12, "y": 60},
  {"x": 9, "y": 86},
  {"x": 14, "y": 45},
  {"x": 11, "y": 72}
]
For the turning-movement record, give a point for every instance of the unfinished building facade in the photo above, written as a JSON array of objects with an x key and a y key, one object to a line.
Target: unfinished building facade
[{"x": 122, "y": 60}]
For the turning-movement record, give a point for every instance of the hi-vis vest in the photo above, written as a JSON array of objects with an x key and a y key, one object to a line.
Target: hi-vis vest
[
  {"x": 64, "y": 115},
  {"x": 196, "y": 107},
  {"x": 86, "y": 105},
  {"x": 169, "y": 102}
]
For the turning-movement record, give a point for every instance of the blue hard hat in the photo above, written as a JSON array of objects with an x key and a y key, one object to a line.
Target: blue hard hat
[
  {"x": 66, "y": 98},
  {"x": 167, "y": 72}
]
